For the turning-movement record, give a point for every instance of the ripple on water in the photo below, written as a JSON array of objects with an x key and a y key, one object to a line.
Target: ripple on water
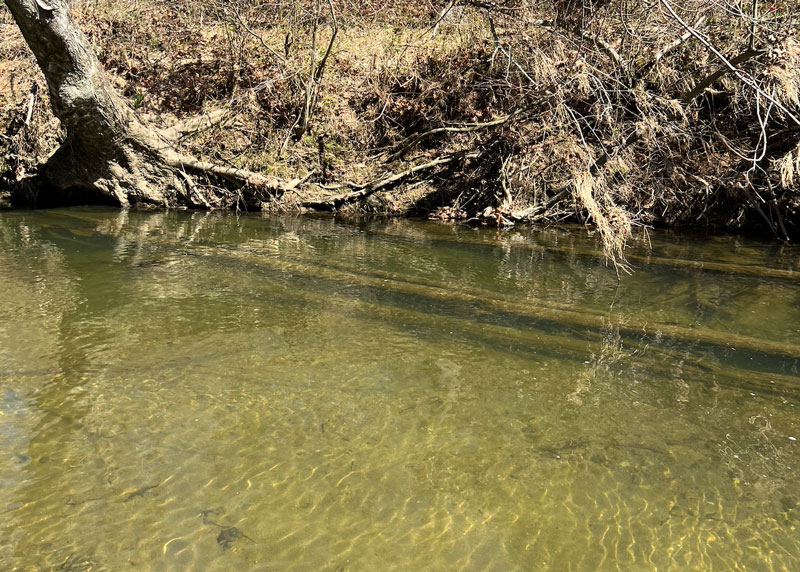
[{"x": 215, "y": 393}]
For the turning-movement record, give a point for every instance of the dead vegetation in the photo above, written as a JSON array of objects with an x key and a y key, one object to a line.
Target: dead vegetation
[{"x": 606, "y": 112}]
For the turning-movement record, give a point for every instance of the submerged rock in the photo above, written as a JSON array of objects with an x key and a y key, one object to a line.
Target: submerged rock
[{"x": 228, "y": 536}]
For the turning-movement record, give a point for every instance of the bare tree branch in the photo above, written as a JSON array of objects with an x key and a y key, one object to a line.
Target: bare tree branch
[{"x": 747, "y": 80}]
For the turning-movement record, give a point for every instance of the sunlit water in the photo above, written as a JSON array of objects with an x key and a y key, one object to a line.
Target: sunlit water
[{"x": 210, "y": 392}]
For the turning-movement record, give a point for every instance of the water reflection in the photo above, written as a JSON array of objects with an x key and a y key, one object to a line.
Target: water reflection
[{"x": 203, "y": 391}]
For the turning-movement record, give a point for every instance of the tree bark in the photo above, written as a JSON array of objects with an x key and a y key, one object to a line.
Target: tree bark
[{"x": 108, "y": 149}]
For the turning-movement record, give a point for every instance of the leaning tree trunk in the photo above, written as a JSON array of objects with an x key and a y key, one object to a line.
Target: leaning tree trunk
[{"x": 107, "y": 148}]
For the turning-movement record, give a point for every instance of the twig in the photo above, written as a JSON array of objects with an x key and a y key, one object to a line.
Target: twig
[
  {"x": 604, "y": 47},
  {"x": 774, "y": 205},
  {"x": 677, "y": 42},
  {"x": 442, "y": 15},
  {"x": 192, "y": 187},
  {"x": 506, "y": 53},
  {"x": 507, "y": 198},
  {"x": 752, "y": 43},
  {"x": 754, "y": 202},
  {"x": 247, "y": 29},
  {"x": 604, "y": 158},
  {"x": 303, "y": 118},
  {"x": 687, "y": 99},
  {"x": 334, "y": 32},
  {"x": 316, "y": 71},
  {"x": 31, "y": 103}
]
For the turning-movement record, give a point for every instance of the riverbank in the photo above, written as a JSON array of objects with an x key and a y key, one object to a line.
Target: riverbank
[{"x": 502, "y": 116}]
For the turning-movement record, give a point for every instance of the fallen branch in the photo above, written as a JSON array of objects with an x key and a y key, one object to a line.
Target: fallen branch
[
  {"x": 362, "y": 191},
  {"x": 704, "y": 84},
  {"x": 414, "y": 140},
  {"x": 660, "y": 54}
]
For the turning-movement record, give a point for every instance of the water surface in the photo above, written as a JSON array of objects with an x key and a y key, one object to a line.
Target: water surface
[{"x": 211, "y": 392}]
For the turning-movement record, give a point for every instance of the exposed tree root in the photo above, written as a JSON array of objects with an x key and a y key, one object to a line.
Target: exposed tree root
[
  {"x": 233, "y": 174},
  {"x": 108, "y": 149},
  {"x": 192, "y": 125}
]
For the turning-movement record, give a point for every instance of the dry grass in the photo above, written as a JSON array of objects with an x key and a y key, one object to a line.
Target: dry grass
[
  {"x": 789, "y": 168},
  {"x": 783, "y": 76},
  {"x": 613, "y": 223}
]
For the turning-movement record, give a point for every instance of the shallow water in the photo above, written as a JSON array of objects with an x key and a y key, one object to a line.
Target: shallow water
[{"x": 210, "y": 392}]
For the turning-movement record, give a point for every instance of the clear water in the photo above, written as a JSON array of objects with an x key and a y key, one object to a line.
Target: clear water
[{"x": 210, "y": 392}]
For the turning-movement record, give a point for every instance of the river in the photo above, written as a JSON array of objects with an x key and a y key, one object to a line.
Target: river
[{"x": 200, "y": 391}]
